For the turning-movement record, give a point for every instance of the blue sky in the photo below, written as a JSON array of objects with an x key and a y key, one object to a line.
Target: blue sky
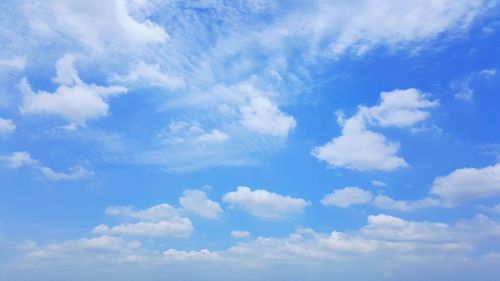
[{"x": 249, "y": 140}]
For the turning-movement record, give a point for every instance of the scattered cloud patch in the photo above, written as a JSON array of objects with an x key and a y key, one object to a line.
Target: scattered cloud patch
[
  {"x": 157, "y": 221},
  {"x": 386, "y": 202},
  {"x": 346, "y": 197},
  {"x": 359, "y": 148},
  {"x": 467, "y": 184},
  {"x": 75, "y": 173},
  {"x": 197, "y": 202},
  {"x": 264, "y": 204},
  {"x": 73, "y": 100},
  {"x": 240, "y": 234},
  {"x": 147, "y": 75},
  {"x": 7, "y": 126},
  {"x": 18, "y": 159},
  {"x": 261, "y": 115}
]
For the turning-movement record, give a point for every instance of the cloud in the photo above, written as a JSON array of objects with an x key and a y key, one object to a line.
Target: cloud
[
  {"x": 264, "y": 204},
  {"x": 178, "y": 227},
  {"x": 155, "y": 213},
  {"x": 240, "y": 234},
  {"x": 385, "y": 202},
  {"x": 378, "y": 183},
  {"x": 15, "y": 63},
  {"x": 394, "y": 24},
  {"x": 361, "y": 149},
  {"x": 18, "y": 159},
  {"x": 22, "y": 158},
  {"x": 7, "y": 126},
  {"x": 74, "y": 100},
  {"x": 214, "y": 136},
  {"x": 347, "y": 196},
  {"x": 487, "y": 73},
  {"x": 75, "y": 172},
  {"x": 100, "y": 24},
  {"x": 203, "y": 255},
  {"x": 156, "y": 221},
  {"x": 463, "y": 87},
  {"x": 196, "y": 202},
  {"x": 468, "y": 184},
  {"x": 395, "y": 229},
  {"x": 147, "y": 75},
  {"x": 261, "y": 115},
  {"x": 92, "y": 246}
]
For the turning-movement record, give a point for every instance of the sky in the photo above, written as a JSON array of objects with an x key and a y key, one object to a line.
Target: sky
[{"x": 249, "y": 140}]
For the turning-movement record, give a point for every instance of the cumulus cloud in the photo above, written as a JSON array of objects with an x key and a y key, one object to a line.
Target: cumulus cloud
[
  {"x": 197, "y": 202},
  {"x": 347, "y": 196},
  {"x": 263, "y": 116},
  {"x": 468, "y": 184},
  {"x": 264, "y": 204},
  {"x": 359, "y": 148},
  {"x": 73, "y": 100},
  {"x": 18, "y": 159},
  {"x": 7, "y": 126},
  {"x": 157, "y": 221}
]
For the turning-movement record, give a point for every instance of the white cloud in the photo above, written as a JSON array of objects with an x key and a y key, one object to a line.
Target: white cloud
[
  {"x": 203, "y": 255},
  {"x": 468, "y": 184},
  {"x": 367, "y": 25},
  {"x": 378, "y": 183},
  {"x": 143, "y": 74},
  {"x": 386, "y": 227},
  {"x": 178, "y": 227},
  {"x": 18, "y": 159},
  {"x": 359, "y": 148},
  {"x": 215, "y": 136},
  {"x": 155, "y": 213},
  {"x": 261, "y": 115},
  {"x": 16, "y": 63},
  {"x": 196, "y": 202},
  {"x": 157, "y": 221},
  {"x": 240, "y": 234},
  {"x": 73, "y": 100},
  {"x": 92, "y": 246},
  {"x": 487, "y": 73},
  {"x": 101, "y": 23},
  {"x": 7, "y": 126},
  {"x": 264, "y": 204},
  {"x": 75, "y": 172},
  {"x": 385, "y": 202},
  {"x": 347, "y": 196}
]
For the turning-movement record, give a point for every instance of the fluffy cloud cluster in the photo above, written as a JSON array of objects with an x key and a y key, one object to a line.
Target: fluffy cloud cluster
[
  {"x": 264, "y": 204},
  {"x": 359, "y": 148},
  {"x": 161, "y": 221},
  {"x": 197, "y": 202},
  {"x": 347, "y": 196},
  {"x": 74, "y": 100},
  {"x": 468, "y": 184}
]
